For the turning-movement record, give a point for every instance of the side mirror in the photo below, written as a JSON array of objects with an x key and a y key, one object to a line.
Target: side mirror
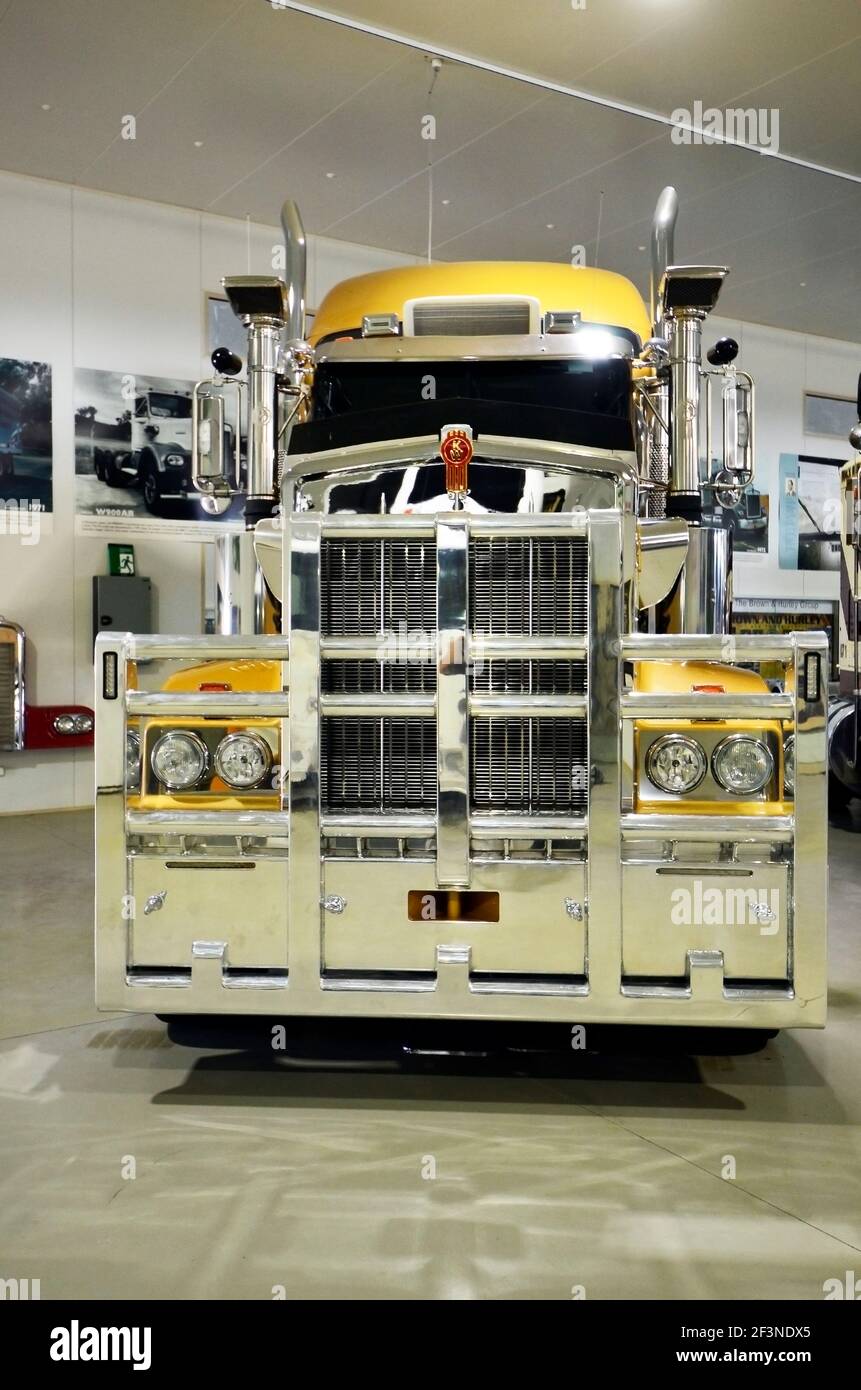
[
  {"x": 214, "y": 472},
  {"x": 738, "y": 423}
]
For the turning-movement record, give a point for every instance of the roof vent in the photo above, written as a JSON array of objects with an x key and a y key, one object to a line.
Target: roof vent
[{"x": 472, "y": 315}]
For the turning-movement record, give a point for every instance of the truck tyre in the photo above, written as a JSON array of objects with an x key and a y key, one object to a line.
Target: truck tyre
[
  {"x": 110, "y": 473},
  {"x": 151, "y": 488}
]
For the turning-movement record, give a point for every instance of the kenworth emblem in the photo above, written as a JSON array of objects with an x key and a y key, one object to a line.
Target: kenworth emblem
[{"x": 456, "y": 450}]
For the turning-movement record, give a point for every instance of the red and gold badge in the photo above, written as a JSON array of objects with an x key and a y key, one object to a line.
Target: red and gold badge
[{"x": 456, "y": 450}]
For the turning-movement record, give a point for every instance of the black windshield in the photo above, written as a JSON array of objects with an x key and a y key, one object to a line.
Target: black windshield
[
  {"x": 580, "y": 401},
  {"x": 599, "y": 387}
]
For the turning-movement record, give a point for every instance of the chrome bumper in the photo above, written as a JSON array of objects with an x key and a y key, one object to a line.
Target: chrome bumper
[{"x": 298, "y": 911}]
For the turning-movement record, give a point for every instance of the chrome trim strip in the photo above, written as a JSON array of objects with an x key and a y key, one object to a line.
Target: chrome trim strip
[
  {"x": 492, "y": 647},
  {"x": 483, "y": 647},
  {"x": 382, "y": 646},
  {"x": 643, "y": 646},
  {"x": 452, "y": 701},
  {"x": 236, "y": 648},
  {"x": 406, "y": 827},
  {"x": 747, "y": 830},
  {"x": 377, "y": 705},
  {"x": 207, "y": 823},
  {"x": 113, "y": 927},
  {"x": 488, "y": 704},
  {"x": 213, "y": 704},
  {"x": 473, "y": 347},
  {"x": 344, "y": 526},
  {"x": 606, "y": 617},
  {"x": 506, "y": 825},
  {"x": 808, "y": 963},
  {"x": 645, "y": 705},
  {"x": 302, "y": 612}
]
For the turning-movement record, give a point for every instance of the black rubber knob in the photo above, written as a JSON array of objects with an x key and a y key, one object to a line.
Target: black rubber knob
[
  {"x": 226, "y": 363},
  {"x": 724, "y": 351}
]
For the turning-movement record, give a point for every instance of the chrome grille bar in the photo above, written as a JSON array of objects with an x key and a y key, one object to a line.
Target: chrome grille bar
[
  {"x": 487, "y": 705},
  {"x": 381, "y": 706},
  {"x": 215, "y": 704},
  {"x": 452, "y": 844}
]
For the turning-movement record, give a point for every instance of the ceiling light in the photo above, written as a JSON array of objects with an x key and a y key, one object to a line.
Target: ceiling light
[
  {"x": 550, "y": 226},
  {"x": 46, "y": 106},
  {"x": 445, "y": 202},
  {"x": 641, "y": 248},
  {"x": 330, "y": 175},
  {"x": 198, "y": 144}
]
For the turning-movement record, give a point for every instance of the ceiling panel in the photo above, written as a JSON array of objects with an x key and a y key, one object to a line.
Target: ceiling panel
[{"x": 239, "y": 104}]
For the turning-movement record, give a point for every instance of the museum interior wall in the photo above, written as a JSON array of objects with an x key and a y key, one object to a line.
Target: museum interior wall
[{"x": 112, "y": 284}]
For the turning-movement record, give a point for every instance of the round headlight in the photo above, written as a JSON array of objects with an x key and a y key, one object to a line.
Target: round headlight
[
  {"x": 179, "y": 760},
  {"x": 743, "y": 765},
  {"x": 676, "y": 764},
  {"x": 133, "y": 760},
  {"x": 789, "y": 764},
  {"x": 243, "y": 760}
]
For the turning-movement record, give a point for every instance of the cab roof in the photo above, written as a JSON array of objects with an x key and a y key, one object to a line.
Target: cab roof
[{"x": 599, "y": 296}]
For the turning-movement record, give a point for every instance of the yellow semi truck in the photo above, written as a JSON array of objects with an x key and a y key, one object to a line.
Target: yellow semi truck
[{"x": 475, "y": 740}]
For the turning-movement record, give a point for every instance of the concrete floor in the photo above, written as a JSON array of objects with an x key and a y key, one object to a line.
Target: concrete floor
[{"x": 313, "y": 1172}]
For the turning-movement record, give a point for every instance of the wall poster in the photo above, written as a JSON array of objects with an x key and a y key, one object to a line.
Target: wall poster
[
  {"x": 133, "y": 459},
  {"x": 26, "y": 447},
  {"x": 809, "y": 512}
]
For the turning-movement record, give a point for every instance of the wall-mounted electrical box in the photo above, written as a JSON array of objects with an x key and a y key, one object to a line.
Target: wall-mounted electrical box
[{"x": 121, "y": 603}]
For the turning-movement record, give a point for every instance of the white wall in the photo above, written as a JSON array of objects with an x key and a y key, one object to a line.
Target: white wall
[{"x": 92, "y": 280}]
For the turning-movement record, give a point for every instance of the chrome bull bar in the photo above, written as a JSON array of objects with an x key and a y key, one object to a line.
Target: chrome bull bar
[{"x": 294, "y": 845}]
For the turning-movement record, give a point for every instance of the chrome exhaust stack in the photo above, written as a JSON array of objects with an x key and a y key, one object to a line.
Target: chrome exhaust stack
[
  {"x": 296, "y": 267},
  {"x": 273, "y": 312},
  {"x": 663, "y": 250}
]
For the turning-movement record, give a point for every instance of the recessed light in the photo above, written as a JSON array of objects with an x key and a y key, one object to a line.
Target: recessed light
[
  {"x": 802, "y": 284},
  {"x": 46, "y": 106},
  {"x": 198, "y": 144},
  {"x": 550, "y": 226},
  {"x": 446, "y": 202},
  {"x": 330, "y": 174},
  {"x": 641, "y": 248}
]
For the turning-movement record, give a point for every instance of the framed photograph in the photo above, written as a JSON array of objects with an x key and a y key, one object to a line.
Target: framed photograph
[
  {"x": 809, "y": 512},
  {"x": 26, "y": 435}
]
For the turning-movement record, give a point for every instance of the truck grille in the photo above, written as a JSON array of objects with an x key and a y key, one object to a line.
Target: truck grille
[
  {"x": 518, "y": 586},
  {"x": 8, "y": 692},
  {"x": 386, "y": 765},
  {"x": 528, "y": 587}
]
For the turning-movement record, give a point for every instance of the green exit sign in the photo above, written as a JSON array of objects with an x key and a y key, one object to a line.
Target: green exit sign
[{"x": 121, "y": 559}]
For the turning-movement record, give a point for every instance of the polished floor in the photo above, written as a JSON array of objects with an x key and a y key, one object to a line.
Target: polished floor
[{"x": 352, "y": 1168}]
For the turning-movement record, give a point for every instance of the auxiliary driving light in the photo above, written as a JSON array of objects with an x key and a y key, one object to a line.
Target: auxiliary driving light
[
  {"x": 179, "y": 760},
  {"x": 243, "y": 760},
  {"x": 789, "y": 764},
  {"x": 675, "y": 764},
  {"x": 741, "y": 764},
  {"x": 133, "y": 760}
]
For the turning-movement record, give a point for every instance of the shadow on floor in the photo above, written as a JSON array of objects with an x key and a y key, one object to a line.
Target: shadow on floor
[{"x": 338, "y": 1062}]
